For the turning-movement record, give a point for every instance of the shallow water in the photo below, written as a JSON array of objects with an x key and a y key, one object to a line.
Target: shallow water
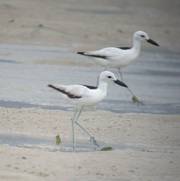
[
  {"x": 25, "y": 72},
  {"x": 48, "y": 143}
]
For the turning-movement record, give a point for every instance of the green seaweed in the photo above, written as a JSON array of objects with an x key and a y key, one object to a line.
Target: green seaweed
[
  {"x": 136, "y": 100},
  {"x": 58, "y": 140},
  {"x": 107, "y": 148}
]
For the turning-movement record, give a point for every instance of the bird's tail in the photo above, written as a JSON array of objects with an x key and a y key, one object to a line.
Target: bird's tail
[
  {"x": 81, "y": 53},
  {"x": 54, "y": 87},
  {"x": 50, "y": 85},
  {"x": 58, "y": 88}
]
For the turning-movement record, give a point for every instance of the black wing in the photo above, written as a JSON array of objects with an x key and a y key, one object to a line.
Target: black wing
[
  {"x": 95, "y": 56},
  {"x": 124, "y": 48},
  {"x": 72, "y": 96},
  {"x": 90, "y": 86}
]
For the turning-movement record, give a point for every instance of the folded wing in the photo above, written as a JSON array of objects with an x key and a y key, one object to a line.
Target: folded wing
[
  {"x": 104, "y": 53},
  {"x": 71, "y": 91}
]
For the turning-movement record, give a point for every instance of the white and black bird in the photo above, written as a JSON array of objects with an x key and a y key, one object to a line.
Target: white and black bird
[
  {"x": 85, "y": 95},
  {"x": 120, "y": 57}
]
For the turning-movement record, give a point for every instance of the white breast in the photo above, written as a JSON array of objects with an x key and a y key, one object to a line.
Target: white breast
[{"x": 92, "y": 97}]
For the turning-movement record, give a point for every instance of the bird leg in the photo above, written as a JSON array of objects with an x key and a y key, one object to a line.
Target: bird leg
[
  {"x": 92, "y": 139},
  {"x": 74, "y": 119},
  {"x": 120, "y": 74},
  {"x": 134, "y": 98}
]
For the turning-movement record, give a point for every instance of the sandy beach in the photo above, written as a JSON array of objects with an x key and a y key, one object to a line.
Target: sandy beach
[
  {"x": 146, "y": 147},
  {"x": 85, "y": 25},
  {"x": 38, "y": 41}
]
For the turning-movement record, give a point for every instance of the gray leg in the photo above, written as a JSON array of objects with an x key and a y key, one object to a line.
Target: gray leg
[
  {"x": 134, "y": 98},
  {"x": 80, "y": 125},
  {"x": 120, "y": 74},
  {"x": 121, "y": 77},
  {"x": 92, "y": 139},
  {"x": 83, "y": 129},
  {"x": 75, "y": 117}
]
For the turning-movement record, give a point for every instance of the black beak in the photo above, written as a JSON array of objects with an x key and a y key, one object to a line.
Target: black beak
[
  {"x": 152, "y": 42},
  {"x": 118, "y": 82}
]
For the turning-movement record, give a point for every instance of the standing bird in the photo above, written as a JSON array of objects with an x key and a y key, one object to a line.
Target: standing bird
[
  {"x": 85, "y": 95},
  {"x": 120, "y": 57}
]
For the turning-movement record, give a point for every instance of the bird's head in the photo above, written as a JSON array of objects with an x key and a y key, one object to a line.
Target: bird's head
[
  {"x": 108, "y": 76},
  {"x": 141, "y": 36}
]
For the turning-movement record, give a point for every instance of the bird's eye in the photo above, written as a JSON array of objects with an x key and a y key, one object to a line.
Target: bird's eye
[
  {"x": 109, "y": 77},
  {"x": 143, "y": 36}
]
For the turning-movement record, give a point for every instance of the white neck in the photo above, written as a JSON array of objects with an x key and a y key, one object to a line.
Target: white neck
[
  {"x": 102, "y": 85},
  {"x": 136, "y": 45}
]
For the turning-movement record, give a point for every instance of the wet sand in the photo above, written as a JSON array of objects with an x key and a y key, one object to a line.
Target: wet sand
[
  {"x": 85, "y": 25},
  {"x": 141, "y": 144},
  {"x": 154, "y": 78}
]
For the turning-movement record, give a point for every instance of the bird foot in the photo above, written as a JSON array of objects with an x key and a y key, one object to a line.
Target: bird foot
[
  {"x": 136, "y": 100},
  {"x": 93, "y": 141}
]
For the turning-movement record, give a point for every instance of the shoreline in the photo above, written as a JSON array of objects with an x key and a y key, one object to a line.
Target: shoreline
[
  {"x": 168, "y": 109},
  {"x": 139, "y": 142},
  {"x": 28, "y": 116}
]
